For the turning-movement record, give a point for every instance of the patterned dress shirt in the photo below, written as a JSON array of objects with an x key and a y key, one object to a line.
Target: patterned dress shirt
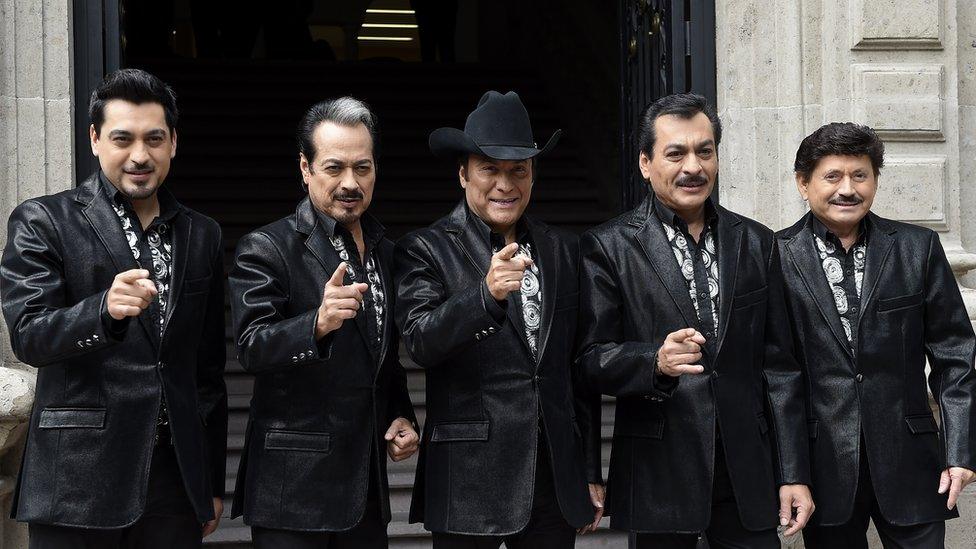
[
  {"x": 529, "y": 297},
  {"x": 845, "y": 272},
  {"x": 698, "y": 262}
]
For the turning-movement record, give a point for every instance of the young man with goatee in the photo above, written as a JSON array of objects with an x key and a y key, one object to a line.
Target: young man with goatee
[
  {"x": 871, "y": 302},
  {"x": 115, "y": 292},
  {"x": 685, "y": 320}
]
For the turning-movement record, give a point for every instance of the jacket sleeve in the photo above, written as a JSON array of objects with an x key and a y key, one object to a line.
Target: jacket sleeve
[
  {"x": 610, "y": 364},
  {"x": 435, "y": 325},
  {"x": 400, "y": 404},
  {"x": 211, "y": 389},
  {"x": 951, "y": 349},
  {"x": 266, "y": 340},
  {"x": 44, "y": 326},
  {"x": 784, "y": 384}
]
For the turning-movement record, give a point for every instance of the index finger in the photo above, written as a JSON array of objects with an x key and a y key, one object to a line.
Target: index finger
[
  {"x": 337, "y": 277},
  {"x": 132, "y": 275},
  {"x": 507, "y": 252},
  {"x": 954, "y": 491},
  {"x": 681, "y": 335}
]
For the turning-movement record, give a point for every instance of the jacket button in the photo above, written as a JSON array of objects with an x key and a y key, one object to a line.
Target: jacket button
[
  {"x": 162, "y": 365},
  {"x": 301, "y": 356},
  {"x": 477, "y": 336},
  {"x": 294, "y": 359},
  {"x": 491, "y": 330},
  {"x": 88, "y": 342},
  {"x": 95, "y": 337},
  {"x": 80, "y": 344},
  {"x": 859, "y": 378}
]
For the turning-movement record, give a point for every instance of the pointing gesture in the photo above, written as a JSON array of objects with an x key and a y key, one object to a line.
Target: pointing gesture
[
  {"x": 680, "y": 353},
  {"x": 130, "y": 294},
  {"x": 505, "y": 272},
  {"x": 339, "y": 302}
]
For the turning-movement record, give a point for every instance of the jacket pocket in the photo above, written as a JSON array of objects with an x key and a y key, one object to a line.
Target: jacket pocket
[
  {"x": 922, "y": 423},
  {"x": 298, "y": 441},
  {"x": 749, "y": 298},
  {"x": 566, "y": 301},
  {"x": 458, "y": 432},
  {"x": 813, "y": 428},
  {"x": 72, "y": 418},
  {"x": 196, "y": 285},
  {"x": 900, "y": 302},
  {"x": 651, "y": 428}
]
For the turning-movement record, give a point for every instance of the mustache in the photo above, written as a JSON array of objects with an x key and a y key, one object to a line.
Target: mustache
[
  {"x": 354, "y": 195},
  {"x": 842, "y": 201},
  {"x": 139, "y": 168},
  {"x": 691, "y": 181}
]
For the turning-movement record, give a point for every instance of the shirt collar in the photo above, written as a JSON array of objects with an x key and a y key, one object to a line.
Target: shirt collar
[
  {"x": 667, "y": 215},
  {"x": 373, "y": 230},
  {"x": 824, "y": 233},
  {"x": 496, "y": 240},
  {"x": 168, "y": 205}
]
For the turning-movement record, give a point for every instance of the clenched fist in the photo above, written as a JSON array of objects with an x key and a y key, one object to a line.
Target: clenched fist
[
  {"x": 130, "y": 294},
  {"x": 339, "y": 303},
  {"x": 505, "y": 272},
  {"x": 680, "y": 353}
]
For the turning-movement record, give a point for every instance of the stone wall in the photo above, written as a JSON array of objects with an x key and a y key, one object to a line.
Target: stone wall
[
  {"x": 35, "y": 159},
  {"x": 904, "y": 67}
]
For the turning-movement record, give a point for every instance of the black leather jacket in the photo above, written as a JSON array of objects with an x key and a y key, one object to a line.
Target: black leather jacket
[
  {"x": 93, "y": 425},
  {"x": 633, "y": 296},
  {"x": 320, "y": 408},
  {"x": 484, "y": 390},
  {"x": 911, "y": 310}
]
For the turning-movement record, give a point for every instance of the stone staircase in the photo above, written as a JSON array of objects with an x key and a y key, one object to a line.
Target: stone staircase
[{"x": 237, "y": 163}]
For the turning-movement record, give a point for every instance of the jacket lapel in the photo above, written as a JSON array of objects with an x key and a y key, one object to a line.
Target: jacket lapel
[
  {"x": 182, "y": 238},
  {"x": 99, "y": 213},
  {"x": 650, "y": 235},
  {"x": 805, "y": 258},
  {"x": 880, "y": 241},
  {"x": 545, "y": 259},
  {"x": 318, "y": 244},
  {"x": 729, "y": 250},
  {"x": 477, "y": 248}
]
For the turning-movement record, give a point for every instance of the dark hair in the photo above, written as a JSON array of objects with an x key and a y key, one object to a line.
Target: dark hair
[
  {"x": 135, "y": 86},
  {"x": 840, "y": 138},
  {"x": 344, "y": 111},
  {"x": 685, "y": 105}
]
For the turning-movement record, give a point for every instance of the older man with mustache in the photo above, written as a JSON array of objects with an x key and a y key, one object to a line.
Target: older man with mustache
[
  {"x": 312, "y": 310},
  {"x": 870, "y": 301}
]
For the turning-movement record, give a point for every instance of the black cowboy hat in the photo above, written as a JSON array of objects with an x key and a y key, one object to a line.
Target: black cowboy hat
[{"x": 498, "y": 128}]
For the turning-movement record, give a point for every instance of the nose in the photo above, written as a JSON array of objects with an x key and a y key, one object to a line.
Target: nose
[
  {"x": 846, "y": 186},
  {"x": 139, "y": 154},
  {"x": 503, "y": 183},
  {"x": 691, "y": 165}
]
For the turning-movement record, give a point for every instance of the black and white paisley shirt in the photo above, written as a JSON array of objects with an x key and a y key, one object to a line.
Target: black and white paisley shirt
[
  {"x": 529, "y": 297},
  {"x": 698, "y": 262},
  {"x": 152, "y": 248},
  {"x": 844, "y": 271},
  {"x": 374, "y": 300}
]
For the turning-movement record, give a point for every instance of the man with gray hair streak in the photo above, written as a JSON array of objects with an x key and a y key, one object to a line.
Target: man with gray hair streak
[{"x": 311, "y": 301}]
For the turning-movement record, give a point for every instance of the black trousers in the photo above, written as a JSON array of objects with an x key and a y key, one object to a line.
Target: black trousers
[
  {"x": 725, "y": 530},
  {"x": 853, "y": 533},
  {"x": 168, "y": 522},
  {"x": 370, "y": 533},
  {"x": 547, "y": 529}
]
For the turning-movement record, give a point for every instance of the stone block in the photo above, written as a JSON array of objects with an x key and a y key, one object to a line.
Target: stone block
[
  {"x": 8, "y": 81},
  {"x": 897, "y": 24},
  {"x": 29, "y": 48},
  {"x": 913, "y": 189},
  {"x": 58, "y": 138},
  {"x": 57, "y": 49},
  {"x": 31, "y": 157},
  {"x": 901, "y": 102}
]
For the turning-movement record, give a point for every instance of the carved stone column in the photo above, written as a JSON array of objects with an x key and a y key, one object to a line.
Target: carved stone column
[
  {"x": 904, "y": 67},
  {"x": 35, "y": 159}
]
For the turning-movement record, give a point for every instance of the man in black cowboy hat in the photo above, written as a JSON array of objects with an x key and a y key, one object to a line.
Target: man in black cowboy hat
[{"x": 487, "y": 301}]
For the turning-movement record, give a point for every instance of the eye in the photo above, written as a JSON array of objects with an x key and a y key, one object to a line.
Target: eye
[
  {"x": 832, "y": 176},
  {"x": 333, "y": 169},
  {"x": 860, "y": 177},
  {"x": 154, "y": 140},
  {"x": 673, "y": 155},
  {"x": 121, "y": 140},
  {"x": 489, "y": 169},
  {"x": 705, "y": 153},
  {"x": 363, "y": 170}
]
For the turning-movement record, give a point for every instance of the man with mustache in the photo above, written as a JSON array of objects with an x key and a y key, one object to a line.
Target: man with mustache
[
  {"x": 114, "y": 291},
  {"x": 870, "y": 301},
  {"x": 487, "y": 305},
  {"x": 685, "y": 315},
  {"x": 312, "y": 312}
]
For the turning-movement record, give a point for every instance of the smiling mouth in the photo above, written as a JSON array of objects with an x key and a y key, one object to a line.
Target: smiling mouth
[
  {"x": 348, "y": 201},
  {"x": 504, "y": 201}
]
